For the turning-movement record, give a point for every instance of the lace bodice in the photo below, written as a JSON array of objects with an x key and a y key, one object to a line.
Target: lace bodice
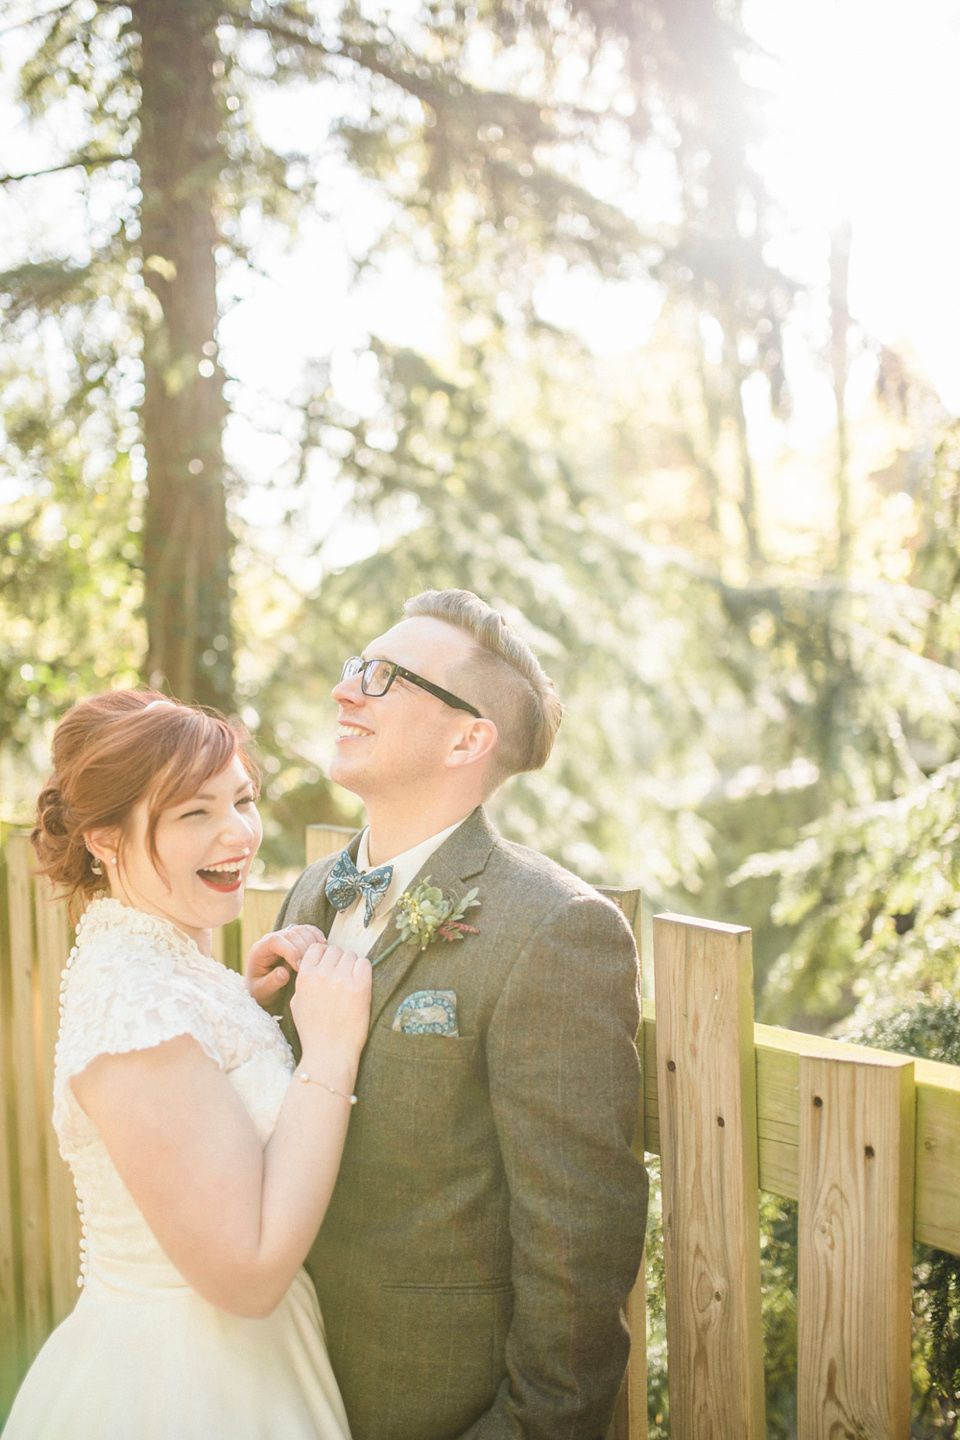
[{"x": 133, "y": 981}]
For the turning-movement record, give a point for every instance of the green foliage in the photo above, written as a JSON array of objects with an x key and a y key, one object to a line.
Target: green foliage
[
  {"x": 67, "y": 615},
  {"x": 778, "y": 1285},
  {"x": 658, "y": 1398},
  {"x": 69, "y": 584},
  {"x": 870, "y": 895},
  {"x": 490, "y": 169},
  {"x": 492, "y": 509}
]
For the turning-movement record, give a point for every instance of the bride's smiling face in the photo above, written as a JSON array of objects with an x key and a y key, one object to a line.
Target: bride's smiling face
[{"x": 203, "y": 850}]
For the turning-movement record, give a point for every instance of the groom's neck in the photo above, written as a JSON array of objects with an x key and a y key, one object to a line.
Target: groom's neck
[{"x": 391, "y": 833}]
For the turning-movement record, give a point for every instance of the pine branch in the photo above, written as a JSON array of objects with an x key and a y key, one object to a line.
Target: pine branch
[
  {"x": 86, "y": 162},
  {"x": 56, "y": 13},
  {"x": 370, "y": 57}
]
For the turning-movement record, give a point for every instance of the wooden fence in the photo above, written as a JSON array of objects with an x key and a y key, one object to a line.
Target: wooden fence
[{"x": 867, "y": 1142}]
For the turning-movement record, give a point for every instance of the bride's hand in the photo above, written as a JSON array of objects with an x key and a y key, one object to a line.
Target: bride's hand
[
  {"x": 331, "y": 1009},
  {"x": 272, "y": 959}
]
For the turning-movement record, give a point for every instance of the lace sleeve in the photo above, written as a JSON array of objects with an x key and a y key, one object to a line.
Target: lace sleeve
[{"x": 116, "y": 1004}]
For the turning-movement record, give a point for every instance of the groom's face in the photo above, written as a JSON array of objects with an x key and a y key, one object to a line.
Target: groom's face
[{"x": 402, "y": 738}]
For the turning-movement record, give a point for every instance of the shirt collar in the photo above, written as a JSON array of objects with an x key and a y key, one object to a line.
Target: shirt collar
[{"x": 407, "y": 864}]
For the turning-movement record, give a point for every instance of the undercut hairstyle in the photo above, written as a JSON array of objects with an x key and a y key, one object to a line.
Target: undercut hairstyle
[
  {"x": 110, "y": 753},
  {"x": 502, "y": 678}
]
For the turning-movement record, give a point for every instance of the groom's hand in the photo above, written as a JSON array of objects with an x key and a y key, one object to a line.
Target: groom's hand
[{"x": 274, "y": 959}]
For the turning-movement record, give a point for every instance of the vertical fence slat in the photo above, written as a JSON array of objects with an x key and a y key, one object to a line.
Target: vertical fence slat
[
  {"x": 12, "y": 1356},
  {"x": 630, "y": 1416},
  {"x": 259, "y": 913},
  {"x": 226, "y": 945},
  {"x": 323, "y": 840},
  {"x": 857, "y": 1121},
  {"x": 706, "y": 1079},
  {"x": 54, "y": 936},
  {"x": 26, "y": 1048}
]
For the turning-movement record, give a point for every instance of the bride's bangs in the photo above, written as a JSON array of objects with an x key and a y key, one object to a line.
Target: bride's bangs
[{"x": 198, "y": 746}]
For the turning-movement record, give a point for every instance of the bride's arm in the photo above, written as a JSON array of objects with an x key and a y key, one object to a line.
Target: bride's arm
[{"x": 236, "y": 1220}]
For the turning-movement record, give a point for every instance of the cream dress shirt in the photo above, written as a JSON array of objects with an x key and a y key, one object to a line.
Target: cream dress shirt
[{"x": 348, "y": 930}]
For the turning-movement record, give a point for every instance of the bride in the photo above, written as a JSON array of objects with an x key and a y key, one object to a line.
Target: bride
[{"x": 202, "y": 1172}]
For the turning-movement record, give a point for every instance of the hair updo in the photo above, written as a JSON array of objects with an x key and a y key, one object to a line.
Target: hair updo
[{"x": 111, "y": 752}]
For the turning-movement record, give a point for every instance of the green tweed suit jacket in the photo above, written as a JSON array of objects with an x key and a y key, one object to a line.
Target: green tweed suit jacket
[{"x": 487, "y": 1223}]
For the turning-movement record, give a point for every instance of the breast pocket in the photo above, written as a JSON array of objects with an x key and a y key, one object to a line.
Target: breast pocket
[
  {"x": 428, "y": 1094},
  {"x": 423, "y": 1049}
]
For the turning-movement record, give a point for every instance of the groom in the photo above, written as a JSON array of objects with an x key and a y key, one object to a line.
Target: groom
[{"x": 487, "y": 1223}]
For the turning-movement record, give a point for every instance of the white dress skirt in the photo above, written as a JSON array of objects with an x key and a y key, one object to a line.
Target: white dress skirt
[{"x": 142, "y": 1356}]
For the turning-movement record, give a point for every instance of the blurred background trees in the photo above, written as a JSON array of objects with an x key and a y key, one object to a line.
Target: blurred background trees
[{"x": 756, "y": 643}]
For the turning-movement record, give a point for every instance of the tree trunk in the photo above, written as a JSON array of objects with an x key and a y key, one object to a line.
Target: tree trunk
[
  {"x": 706, "y": 463},
  {"x": 748, "y": 485},
  {"x": 187, "y": 546},
  {"x": 840, "y": 371}
]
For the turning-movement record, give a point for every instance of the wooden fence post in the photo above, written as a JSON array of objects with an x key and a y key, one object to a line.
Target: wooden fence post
[
  {"x": 54, "y": 937},
  {"x": 630, "y": 1416},
  {"x": 12, "y": 1356},
  {"x": 226, "y": 945},
  {"x": 857, "y": 1122},
  {"x": 323, "y": 840},
  {"x": 706, "y": 1078},
  {"x": 26, "y": 1023},
  {"x": 260, "y": 906}
]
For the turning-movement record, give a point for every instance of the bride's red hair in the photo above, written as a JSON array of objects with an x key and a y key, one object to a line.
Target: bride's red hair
[{"x": 111, "y": 752}]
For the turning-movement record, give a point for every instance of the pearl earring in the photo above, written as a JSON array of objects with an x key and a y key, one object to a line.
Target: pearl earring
[{"x": 95, "y": 865}]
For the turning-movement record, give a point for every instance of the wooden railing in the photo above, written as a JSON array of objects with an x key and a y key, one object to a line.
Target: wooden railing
[{"x": 868, "y": 1143}]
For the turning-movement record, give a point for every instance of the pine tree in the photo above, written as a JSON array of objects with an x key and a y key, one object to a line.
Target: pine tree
[{"x": 492, "y": 172}]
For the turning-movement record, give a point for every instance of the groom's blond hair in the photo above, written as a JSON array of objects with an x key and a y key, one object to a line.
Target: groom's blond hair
[{"x": 502, "y": 677}]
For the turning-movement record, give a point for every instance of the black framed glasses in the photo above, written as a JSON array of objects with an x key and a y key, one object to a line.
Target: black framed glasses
[{"x": 376, "y": 677}]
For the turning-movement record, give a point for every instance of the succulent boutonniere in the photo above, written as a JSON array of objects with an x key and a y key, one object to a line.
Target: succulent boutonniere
[{"x": 425, "y": 915}]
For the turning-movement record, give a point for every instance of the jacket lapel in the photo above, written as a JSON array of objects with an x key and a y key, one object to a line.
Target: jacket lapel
[{"x": 458, "y": 860}]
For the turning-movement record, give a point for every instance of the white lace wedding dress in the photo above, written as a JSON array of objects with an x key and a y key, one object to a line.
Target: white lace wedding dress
[{"x": 143, "y": 1357}]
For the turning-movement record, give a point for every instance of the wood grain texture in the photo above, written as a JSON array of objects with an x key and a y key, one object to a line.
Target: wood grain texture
[
  {"x": 856, "y": 1225},
  {"x": 936, "y": 1219},
  {"x": 260, "y": 907},
  {"x": 54, "y": 939},
  {"x": 778, "y": 1099},
  {"x": 651, "y": 1090},
  {"x": 937, "y": 1156},
  {"x": 708, "y": 1142},
  {"x": 631, "y": 903},
  {"x": 324, "y": 840},
  {"x": 12, "y": 1354},
  {"x": 630, "y": 1416},
  {"x": 26, "y": 1008},
  {"x": 227, "y": 946}
]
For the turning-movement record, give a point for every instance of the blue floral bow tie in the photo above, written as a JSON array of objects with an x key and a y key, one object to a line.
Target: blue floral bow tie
[{"x": 346, "y": 884}]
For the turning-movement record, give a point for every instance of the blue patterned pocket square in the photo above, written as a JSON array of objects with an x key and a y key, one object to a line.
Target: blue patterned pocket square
[{"x": 428, "y": 1012}]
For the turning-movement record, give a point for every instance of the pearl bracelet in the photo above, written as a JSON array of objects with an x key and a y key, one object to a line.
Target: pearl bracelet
[{"x": 312, "y": 1080}]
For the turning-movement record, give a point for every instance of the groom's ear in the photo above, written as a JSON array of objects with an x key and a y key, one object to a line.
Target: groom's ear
[{"x": 476, "y": 740}]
